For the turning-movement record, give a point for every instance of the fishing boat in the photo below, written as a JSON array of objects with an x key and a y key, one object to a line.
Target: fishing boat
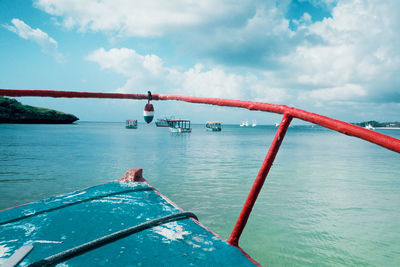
[
  {"x": 127, "y": 222},
  {"x": 213, "y": 126},
  {"x": 131, "y": 124},
  {"x": 180, "y": 126},
  {"x": 163, "y": 122}
]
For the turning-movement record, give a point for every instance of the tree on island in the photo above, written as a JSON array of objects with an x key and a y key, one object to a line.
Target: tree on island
[
  {"x": 375, "y": 124},
  {"x": 12, "y": 111}
]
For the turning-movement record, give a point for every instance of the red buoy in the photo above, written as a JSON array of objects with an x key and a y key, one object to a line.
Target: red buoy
[{"x": 148, "y": 113}]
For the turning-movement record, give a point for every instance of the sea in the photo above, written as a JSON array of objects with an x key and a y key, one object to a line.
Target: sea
[{"x": 329, "y": 199}]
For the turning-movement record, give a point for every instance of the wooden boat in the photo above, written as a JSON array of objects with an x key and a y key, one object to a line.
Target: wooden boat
[
  {"x": 128, "y": 222},
  {"x": 121, "y": 223},
  {"x": 180, "y": 126},
  {"x": 131, "y": 124},
  {"x": 214, "y": 126}
]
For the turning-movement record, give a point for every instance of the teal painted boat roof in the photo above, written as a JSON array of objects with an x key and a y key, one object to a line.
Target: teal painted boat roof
[{"x": 60, "y": 223}]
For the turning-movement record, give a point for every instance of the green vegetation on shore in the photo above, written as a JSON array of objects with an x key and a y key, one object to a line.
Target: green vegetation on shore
[
  {"x": 375, "y": 124},
  {"x": 12, "y": 111}
]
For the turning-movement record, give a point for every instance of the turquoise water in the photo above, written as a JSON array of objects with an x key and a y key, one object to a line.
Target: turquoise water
[{"x": 329, "y": 199}]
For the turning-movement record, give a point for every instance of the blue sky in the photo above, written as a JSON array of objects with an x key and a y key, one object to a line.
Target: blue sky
[{"x": 337, "y": 58}]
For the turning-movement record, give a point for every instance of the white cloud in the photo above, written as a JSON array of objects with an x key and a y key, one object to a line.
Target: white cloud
[
  {"x": 46, "y": 43},
  {"x": 351, "y": 57},
  {"x": 138, "y": 18},
  {"x": 357, "y": 59},
  {"x": 212, "y": 83},
  {"x": 26, "y": 32},
  {"x": 142, "y": 71},
  {"x": 149, "y": 72},
  {"x": 346, "y": 92},
  {"x": 304, "y": 21},
  {"x": 125, "y": 61}
]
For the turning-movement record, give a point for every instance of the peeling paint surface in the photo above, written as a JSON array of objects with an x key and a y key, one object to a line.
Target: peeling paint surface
[
  {"x": 63, "y": 222},
  {"x": 4, "y": 251},
  {"x": 170, "y": 231}
]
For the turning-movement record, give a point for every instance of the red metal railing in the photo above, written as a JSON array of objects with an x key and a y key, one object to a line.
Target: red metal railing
[
  {"x": 259, "y": 181},
  {"x": 385, "y": 141}
]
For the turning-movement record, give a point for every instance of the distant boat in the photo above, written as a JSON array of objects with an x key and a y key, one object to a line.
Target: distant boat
[
  {"x": 163, "y": 122},
  {"x": 180, "y": 126},
  {"x": 369, "y": 127},
  {"x": 276, "y": 124},
  {"x": 254, "y": 124},
  {"x": 214, "y": 126},
  {"x": 244, "y": 124},
  {"x": 131, "y": 124}
]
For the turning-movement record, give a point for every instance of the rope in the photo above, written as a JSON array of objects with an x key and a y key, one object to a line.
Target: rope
[{"x": 76, "y": 251}]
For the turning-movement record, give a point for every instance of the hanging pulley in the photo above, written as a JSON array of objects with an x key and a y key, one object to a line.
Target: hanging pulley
[{"x": 148, "y": 112}]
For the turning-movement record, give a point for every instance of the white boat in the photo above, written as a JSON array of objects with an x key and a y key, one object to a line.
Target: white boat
[
  {"x": 254, "y": 124},
  {"x": 244, "y": 124},
  {"x": 276, "y": 124},
  {"x": 369, "y": 127}
]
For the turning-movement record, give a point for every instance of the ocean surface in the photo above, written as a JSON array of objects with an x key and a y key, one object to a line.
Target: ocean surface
[{"x": 329, "y": 200}]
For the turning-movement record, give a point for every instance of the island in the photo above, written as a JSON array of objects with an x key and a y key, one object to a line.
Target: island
[
  {"x": 375, "y": 124},
  {"x": 12, "y": 111}
]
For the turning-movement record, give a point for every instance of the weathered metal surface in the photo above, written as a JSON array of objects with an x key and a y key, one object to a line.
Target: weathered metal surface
[{"x": 63, "y": 222}]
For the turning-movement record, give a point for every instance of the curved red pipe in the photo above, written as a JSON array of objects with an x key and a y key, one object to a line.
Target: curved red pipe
[{"x": 336, "y": 125}]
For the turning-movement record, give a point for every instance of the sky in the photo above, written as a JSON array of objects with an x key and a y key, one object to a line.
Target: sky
[{"x": 337, "y": 58}]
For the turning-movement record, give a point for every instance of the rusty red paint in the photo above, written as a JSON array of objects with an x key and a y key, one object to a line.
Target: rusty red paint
[
  {"x": 259, "y": 181},
  {"x": 133, "y": 175}
]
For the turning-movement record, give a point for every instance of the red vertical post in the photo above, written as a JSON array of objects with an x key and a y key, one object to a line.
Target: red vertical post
[{"x": 259, "y": 181}]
